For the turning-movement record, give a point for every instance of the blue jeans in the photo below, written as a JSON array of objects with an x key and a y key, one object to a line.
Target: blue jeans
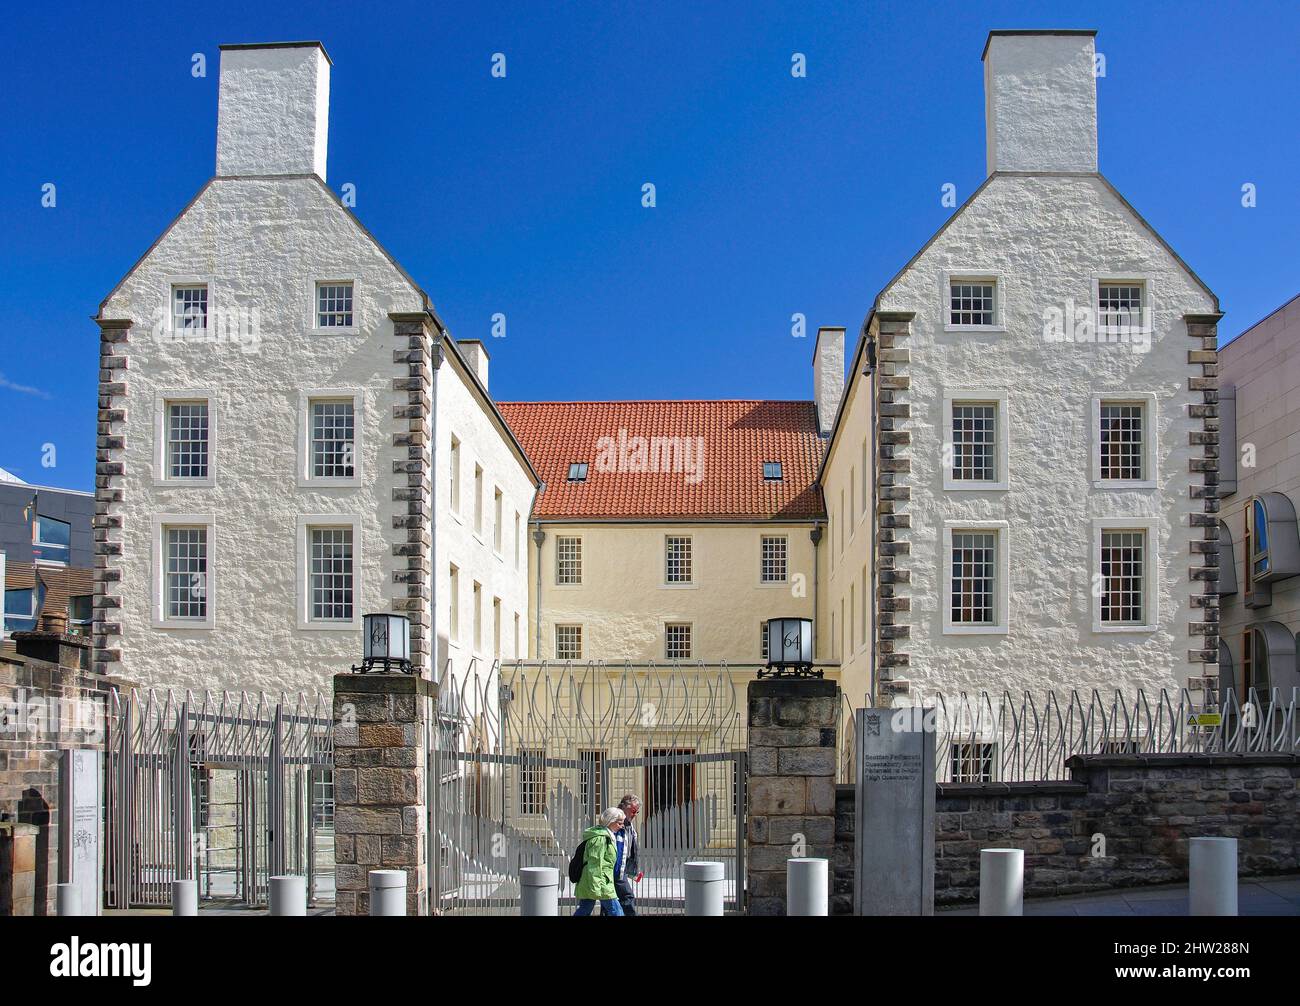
[{"x": 608, "y": 906}]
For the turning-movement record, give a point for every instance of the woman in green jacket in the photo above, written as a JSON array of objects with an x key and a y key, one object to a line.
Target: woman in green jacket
[{"x": 597, "y": 880}]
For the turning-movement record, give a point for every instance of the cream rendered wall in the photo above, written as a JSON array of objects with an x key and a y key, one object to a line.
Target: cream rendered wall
[
  {"x": 848, "y": 475},
  {"x": 1263, "y": 364},
  {"x": 260, "y": 244},
  {"x": 1047, "y": 238},
  {"x": 462, "y": 413},
  {"x": 623, "y": 602}
]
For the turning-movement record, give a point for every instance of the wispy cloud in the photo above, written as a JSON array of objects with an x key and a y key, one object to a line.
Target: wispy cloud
[{"x": 22, "y": 389}]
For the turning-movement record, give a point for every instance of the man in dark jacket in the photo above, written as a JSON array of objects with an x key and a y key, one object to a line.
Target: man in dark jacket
[{"x": 627, "y": 867}]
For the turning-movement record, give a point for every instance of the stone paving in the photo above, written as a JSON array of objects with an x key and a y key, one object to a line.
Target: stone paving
[{"x": 1262, "y": 896}]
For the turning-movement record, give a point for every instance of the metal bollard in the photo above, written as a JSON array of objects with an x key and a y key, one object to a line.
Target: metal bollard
[
  {"x": 704, "y": 888},
  {"x": 1212, "y": 877},
  {"x": 387, "y": 892},
  {"x": 185, "y": 897},
  {"x": 67, "y": 900},
  {"x": 539, "y": 891},
  {"x": 288, "y": 895},
  {"x": 807, "y": 887},
  {"x": 1002, "y": 882}
]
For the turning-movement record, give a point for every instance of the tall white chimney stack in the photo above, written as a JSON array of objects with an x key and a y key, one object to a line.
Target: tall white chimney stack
[
  {"x": 1040, "y": 101},
  {"x": 828, "y": 376},
  {"x": 273, "y": 109}
]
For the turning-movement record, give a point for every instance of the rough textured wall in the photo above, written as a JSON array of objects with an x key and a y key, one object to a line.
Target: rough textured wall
[
  {"x": 273, "y": 113},
  {"x": 623, "y": 602},
  {"x": 1047, "y": 238},
  {"x": 260, "y": 244},
  {"x": 1142, "y": 808},
  {"x": 1041, "y": 103}
]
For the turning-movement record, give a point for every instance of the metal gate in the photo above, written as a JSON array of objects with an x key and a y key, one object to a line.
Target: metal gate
[
  {"x": 524, "y": 757},
  {"x": 228, "y": 790}
]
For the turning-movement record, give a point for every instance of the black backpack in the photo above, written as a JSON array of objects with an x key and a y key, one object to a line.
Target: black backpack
[{"x": 577, "y": 862}]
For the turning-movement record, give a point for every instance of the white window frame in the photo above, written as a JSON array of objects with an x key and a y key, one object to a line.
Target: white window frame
[
  {"x": 975, "y": 276},
  {"x": 169, "y": 298},
  {"x": 159, "y": 525},
  {"x": 305, "y": 399},
  {"x": 161, "y": 467},
  {"x": 479, "y": 478},
  {"x": 322, "y": 520},
  {"x": 568, "y": 585},
  {"x": 1000, "y": 398},
  {"x": 498, "y": 522},
  {"x": 664, "y": 582},
  {"x": 456, "y": 485},
  {"x": 313, "y": 318},
  {"x": 569, "y": 625},
  {"x": 1001, "y": 584},
  {"x": 690, "y": 629},
  {"x": 453, "y": 605},
  {"x": 1150, "y": 439},
  {"x": 785, "y": 580},
  {"x": 1132, "y": 279},
  {"x": 1150, "y": 573}
]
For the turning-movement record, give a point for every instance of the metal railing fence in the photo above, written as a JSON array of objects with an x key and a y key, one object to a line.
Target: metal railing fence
[
  {"x": 228, "y": 789},
  {"x": 1017, "y": 737}
]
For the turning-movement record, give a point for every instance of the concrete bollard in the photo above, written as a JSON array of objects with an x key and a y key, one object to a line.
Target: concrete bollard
[
  {"x": 1212, "y": 877},
  {"x": 67, "y": 900},
  {"x": 185, "y": 897},
  {"x": 288, "y": 895},
  {"x": 1002, "y": 882},
  {"x": 387, "y": 892},
  {"x": 807, "y": 887},
  {"x": 704, "y": 888},
  {"x": 539, "y": 892}
]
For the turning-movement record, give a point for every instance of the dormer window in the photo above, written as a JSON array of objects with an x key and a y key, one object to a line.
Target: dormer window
[
  {"x": 772, "y": 471},
  {"x": 578, "y": 471}
]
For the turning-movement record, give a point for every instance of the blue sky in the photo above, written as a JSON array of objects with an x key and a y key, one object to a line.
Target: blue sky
[{"x": 522, "y": 195}]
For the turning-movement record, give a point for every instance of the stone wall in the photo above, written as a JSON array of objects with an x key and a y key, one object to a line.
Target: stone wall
[
  {"x": 380, "y": 809},
  {"x": 792, "y": 729},
  {"x": 45, "y": 708},
  {"x": 1122, "y": 821}
]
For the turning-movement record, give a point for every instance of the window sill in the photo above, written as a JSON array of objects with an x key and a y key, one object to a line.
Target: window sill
[
  {"x": 961, "y": 486},
  {"x": 991, "y": 329},
  {"x": 773, "y": 583},
  {"x": 1112, "y": 629},
  {"x": 678, "y": 586},
  {"x": 568, "y": 586},
  {"x": 201, "y": 624},
  {"x": 1120, "y": 484},
  {"x": 334, "y": 330},
  {"x": 307, "y": 625},
  {"x": 207, "y": 483},
  {"x": 354, "y": 482},
  {"x": 975, "y": 630}
]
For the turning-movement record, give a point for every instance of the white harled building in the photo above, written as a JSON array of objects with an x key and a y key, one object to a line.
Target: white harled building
[
  {"x": 1037, "y": 389},
  {"x": 288, "y": 437}
]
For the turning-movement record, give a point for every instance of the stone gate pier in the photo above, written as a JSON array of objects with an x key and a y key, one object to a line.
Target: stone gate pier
[
  {"x": 793, "y": 723},
  {"x": 380, "y": 777}
]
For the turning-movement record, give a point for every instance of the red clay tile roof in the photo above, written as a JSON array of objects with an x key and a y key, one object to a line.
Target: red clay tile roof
[{"x": 657, "y": 478}]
